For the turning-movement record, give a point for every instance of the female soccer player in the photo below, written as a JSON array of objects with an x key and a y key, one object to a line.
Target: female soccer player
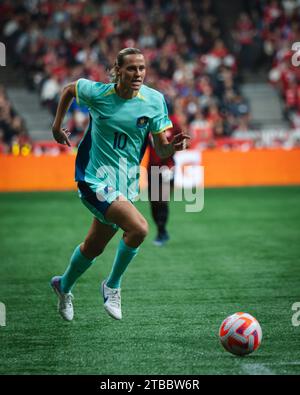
[{"x": 122, "y": 114}]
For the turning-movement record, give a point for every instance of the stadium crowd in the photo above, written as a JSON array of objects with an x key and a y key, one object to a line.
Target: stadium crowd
[
  {"x": 12, "y": 126},
  {"x": 58, "y": 42},
  {"x": 282, "y": 30},
  {"x": 270, "y": 28}
]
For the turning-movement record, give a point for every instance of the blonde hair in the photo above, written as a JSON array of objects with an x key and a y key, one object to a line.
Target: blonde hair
[{"x": 120, "y": 61}]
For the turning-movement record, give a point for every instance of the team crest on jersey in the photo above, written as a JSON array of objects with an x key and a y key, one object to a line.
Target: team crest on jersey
[{"x": 142, "y": 122}]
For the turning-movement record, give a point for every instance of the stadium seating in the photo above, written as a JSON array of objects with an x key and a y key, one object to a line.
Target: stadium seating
[
  {"x": 57, "y": 42},
  {"x": 52, "y": 43}
]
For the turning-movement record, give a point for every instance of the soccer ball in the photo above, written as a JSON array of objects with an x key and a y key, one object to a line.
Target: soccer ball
[{"x": 240, "y": 334}]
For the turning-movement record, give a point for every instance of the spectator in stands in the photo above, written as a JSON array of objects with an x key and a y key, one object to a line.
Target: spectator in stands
[
  {"x": 49, "y": 93},
  {"x": 12, "y": 126},
  {"x": 244, "y": 34},
  {"x": 201, "y": 131},
  {"x": 237, "y": 111},
  {"x": 215, "y": 119}
]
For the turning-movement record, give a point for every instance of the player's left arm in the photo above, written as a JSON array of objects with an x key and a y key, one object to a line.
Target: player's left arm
[{"x": 165, "y": 148}]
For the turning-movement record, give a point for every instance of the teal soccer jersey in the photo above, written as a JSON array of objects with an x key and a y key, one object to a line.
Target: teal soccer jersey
[{"x": 110, "y": 152}]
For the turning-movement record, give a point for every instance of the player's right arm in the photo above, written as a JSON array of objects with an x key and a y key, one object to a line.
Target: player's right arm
[{"x": 61, "y": 135}]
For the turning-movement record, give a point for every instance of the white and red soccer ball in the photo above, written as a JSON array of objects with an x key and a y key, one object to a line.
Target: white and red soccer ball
[{"x": 240, "y": 334}]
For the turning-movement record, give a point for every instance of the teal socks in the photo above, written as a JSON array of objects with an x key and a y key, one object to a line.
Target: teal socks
[
  {"x": 78, "y": 265},
  {"x": 123, "y": 257}
]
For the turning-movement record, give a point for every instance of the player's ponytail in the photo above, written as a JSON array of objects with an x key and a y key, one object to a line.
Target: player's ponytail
[
  {"x": 120, "y": 61},
  {"x": 113, "y": 74}
]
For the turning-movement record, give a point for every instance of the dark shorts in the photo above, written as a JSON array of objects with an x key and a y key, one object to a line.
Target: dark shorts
[{"x": 96, "y": 206}]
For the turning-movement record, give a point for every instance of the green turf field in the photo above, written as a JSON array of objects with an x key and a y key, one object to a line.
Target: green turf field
[{"x": 241, "y": 253}]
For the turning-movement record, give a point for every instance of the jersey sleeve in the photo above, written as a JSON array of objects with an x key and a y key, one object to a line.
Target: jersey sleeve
[
  {"x": 87, "y": 91},
  {"x": 161, "y": 120}
]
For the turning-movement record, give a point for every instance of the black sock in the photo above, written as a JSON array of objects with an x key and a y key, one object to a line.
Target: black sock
[{"x": 160, "y": 213}]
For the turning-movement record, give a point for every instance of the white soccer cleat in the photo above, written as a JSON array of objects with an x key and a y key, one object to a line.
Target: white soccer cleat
[
  {"x": 65, "y": 305},
  {"x": 112, "y": 301}
]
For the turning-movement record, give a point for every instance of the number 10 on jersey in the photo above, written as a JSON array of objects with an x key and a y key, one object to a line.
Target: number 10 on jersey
[{"x": 120, "y": 140}]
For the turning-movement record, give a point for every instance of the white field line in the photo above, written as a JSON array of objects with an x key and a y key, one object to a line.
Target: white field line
[
  {"x": 282, "y": 363},
  {"x": 256, "y": 369}
]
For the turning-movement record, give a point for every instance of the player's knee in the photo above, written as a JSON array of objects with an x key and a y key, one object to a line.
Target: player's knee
[{"x": 140, "y": 231}]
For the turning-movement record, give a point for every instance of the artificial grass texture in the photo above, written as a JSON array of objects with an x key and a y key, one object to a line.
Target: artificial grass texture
[{"x": 241, "y": 253}]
